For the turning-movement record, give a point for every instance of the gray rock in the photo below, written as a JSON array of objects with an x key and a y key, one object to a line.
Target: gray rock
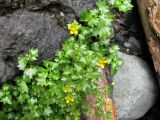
[
  {"x": 135, "y": 90},
  {"x": 23, "y": 30},
  {"x": 74, "y": 6},
  {"x": 2, "y": 68},
  {"x": 134, "y": 46},
  {"x": 67, "y": 5},
  {"x": 127, "y": 44},
  {"x": 11, "y": 3},
  {"x": 135, "y": 42}
]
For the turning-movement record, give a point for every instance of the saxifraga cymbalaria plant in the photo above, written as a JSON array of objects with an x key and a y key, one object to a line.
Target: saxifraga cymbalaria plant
[{"x": 57, "y": 89}]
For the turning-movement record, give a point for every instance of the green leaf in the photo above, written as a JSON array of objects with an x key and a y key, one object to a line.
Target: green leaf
[
  {"x": 59, "y": 54},
  {"x": 22, "y": 62},
  {"x": 105, "y": 42},
  {"x": 7, "y": 100},
  {"x": 125, "y": 7},
  {"x": 54, "y": 66},
  {"x": 108, "y": 115},
  {"x": 67, "y": 70},
  {"x": 85, "y": 85},
  {"x": 6, "y": 87},
  {"x": 83, "y": 60},
  {"x": 112, "y": 2},
  {"x": 55, "y": 75},
  {"x": 69, "y": 53},
  {"x": 90, "y": 17},
  {"x": 95, "y": 46},
  {"x": 29, "y": 116},
  {"x": 33, "y": 54},
  {"x": 47, "y": 111},
  {"x": 94, "y": 12},
  {"x": 64, "y": 78},
  {"x": 36, "y": 114},
  {"x": 41, "y": 81},
  {"x": 42, "y": 77},
  {"x": 30, "y": 72},
  {"x": 101, "y": 4},
  {"x": 23, "y": 86},
  {"x": 122, "y": 5},
  {"x": 47, "y": 63},
  {"x": 85, "y": 16},
  {"x": 23, "y": 97},
  {"x": 1, "y": 94},
  {"x": 10, "y": 116},
  {"x": 33, "y": 101},
  {"x": 85, "y": 31},
  {"x": 78, "y": 67},
  {"x": 3, "y": 116}
]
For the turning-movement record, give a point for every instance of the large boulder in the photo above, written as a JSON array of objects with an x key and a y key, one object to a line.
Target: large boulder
[
  {"x": 135, "y": 89},
  {"x": 38, "y": 24}
]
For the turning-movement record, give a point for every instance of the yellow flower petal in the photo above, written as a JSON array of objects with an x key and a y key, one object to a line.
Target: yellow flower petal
[
  {"x": 68, "y": 99},
  {"x": 73, "y": 27},
  {"x": 101, "y": 62},
  {"x": 108, "y": 106},
  {"x": 69, "y": 26},
  {"x": 102, "y": 66},
  {"x": 71, "y": 32},
  {"x": 67, "y": 89}
]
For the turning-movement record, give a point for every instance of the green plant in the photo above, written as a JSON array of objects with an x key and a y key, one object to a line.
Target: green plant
[
  {"x": 122, "y": 5},
  {"x": 57, "y": 89}
]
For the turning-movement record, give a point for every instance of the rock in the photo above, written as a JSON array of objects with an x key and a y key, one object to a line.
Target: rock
[
  {"x": 135, "y": 90},
  {"x": 68, "y": 5},
  {"x": 74, "y": 6},
  {"x": 135, "y": 42},
  {"x": 11, "y": 3},
  {"x": 133, "y": 45},
  {"x": 127, "y": 43},
  {"x": 34, "y": 24},
  {"x": 121, "y": 37},
  {"x": 23, "y": 30},
  {"x": 2, "y": 68}
]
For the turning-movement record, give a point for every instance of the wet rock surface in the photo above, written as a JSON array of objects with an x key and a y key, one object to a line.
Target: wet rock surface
[
  {"x": 135, "y": 90},
  {"x": 34, "y": 24}
]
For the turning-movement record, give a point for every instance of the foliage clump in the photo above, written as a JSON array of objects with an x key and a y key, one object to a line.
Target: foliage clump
[{"x": 57, "y": 89}]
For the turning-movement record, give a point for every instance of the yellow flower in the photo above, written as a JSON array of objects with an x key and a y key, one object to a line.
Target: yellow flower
[
  {"x": 67, "y": 89},
  {"x": 68, "y": 99},
  {"x": 101, "y": 62},
  {"x": 73, "y": 28},
  {"x": 108, "y": 106}
]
